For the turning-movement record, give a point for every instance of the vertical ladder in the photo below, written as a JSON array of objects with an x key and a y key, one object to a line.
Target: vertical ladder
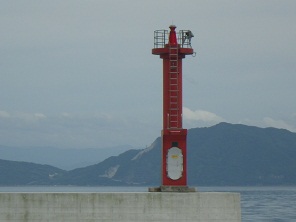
[{"x": 174, "y": 109}]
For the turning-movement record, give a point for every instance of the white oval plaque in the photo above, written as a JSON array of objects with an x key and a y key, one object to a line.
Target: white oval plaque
[{"x": 174, "y": 163}]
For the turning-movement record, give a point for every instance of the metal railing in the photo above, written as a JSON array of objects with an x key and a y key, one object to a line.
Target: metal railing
[{"x": 161, "y": 38}]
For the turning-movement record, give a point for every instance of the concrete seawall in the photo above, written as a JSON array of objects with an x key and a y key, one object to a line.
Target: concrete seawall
[{"x": 125, "y": 207}]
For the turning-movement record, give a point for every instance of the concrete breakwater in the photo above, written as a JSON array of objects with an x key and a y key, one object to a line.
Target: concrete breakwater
[{"x": 125, "y": 207}]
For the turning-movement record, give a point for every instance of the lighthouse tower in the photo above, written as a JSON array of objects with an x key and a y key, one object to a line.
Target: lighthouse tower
[{"x": 172, "y": 49}]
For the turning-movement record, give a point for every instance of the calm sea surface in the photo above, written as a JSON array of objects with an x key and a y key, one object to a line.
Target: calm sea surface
[{"x": 274, "y": 204}]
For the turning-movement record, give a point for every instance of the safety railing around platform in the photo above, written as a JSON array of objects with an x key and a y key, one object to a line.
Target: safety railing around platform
[{"x": 161, "y": 38}]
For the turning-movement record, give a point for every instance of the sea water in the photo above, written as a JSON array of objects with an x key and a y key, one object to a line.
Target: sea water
[
  {"x": 274, "y": 204},
  {"x": 270, "y": 204}
]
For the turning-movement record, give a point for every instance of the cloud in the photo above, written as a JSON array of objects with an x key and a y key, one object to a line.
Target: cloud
[
  {"x": 28, "y": 117},
  {"x": 198, "y": 118},
  {"x": 269, "y": 122},
  {"x": 4, "y": 114},
  {"x": 201, "y": 115},
  {"x": 72, "y": 130},
  {"x": 39, "y": 115}
]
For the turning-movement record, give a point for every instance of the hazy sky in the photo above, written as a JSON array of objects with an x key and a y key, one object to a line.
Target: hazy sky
[{"x": 80, "y": 74}]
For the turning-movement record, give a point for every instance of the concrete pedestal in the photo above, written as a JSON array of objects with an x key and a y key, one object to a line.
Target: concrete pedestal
[
  {"x": 125, "y": 207},
  {"x": 178, "y": 189}
]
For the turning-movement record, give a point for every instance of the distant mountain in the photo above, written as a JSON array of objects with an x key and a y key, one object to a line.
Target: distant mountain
[
  {"x": 228, "y": 154},
  {"x": 133, "y": 167},
  {"x": 66, "y": 159},
  {"x": 224, "y": 154},
  {"x": 102, "y": 173},
  {"x": 14, "y": 173}
]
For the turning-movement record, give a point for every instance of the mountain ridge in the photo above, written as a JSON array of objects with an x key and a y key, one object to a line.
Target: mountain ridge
[
  {"x": 66, "y": 159},
  {"x": 221, "y": 155}
]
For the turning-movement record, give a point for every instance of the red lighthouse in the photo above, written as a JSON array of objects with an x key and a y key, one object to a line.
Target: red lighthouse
[{"x": 172, "y": 48}]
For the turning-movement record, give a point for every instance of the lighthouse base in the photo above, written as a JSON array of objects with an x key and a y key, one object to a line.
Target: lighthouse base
[
  {"x": 123, "y": 207},
  {"x": 172, "y": 189}
]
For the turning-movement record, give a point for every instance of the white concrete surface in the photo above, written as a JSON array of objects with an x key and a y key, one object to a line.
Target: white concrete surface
[{"x": 125, "y": 207}]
